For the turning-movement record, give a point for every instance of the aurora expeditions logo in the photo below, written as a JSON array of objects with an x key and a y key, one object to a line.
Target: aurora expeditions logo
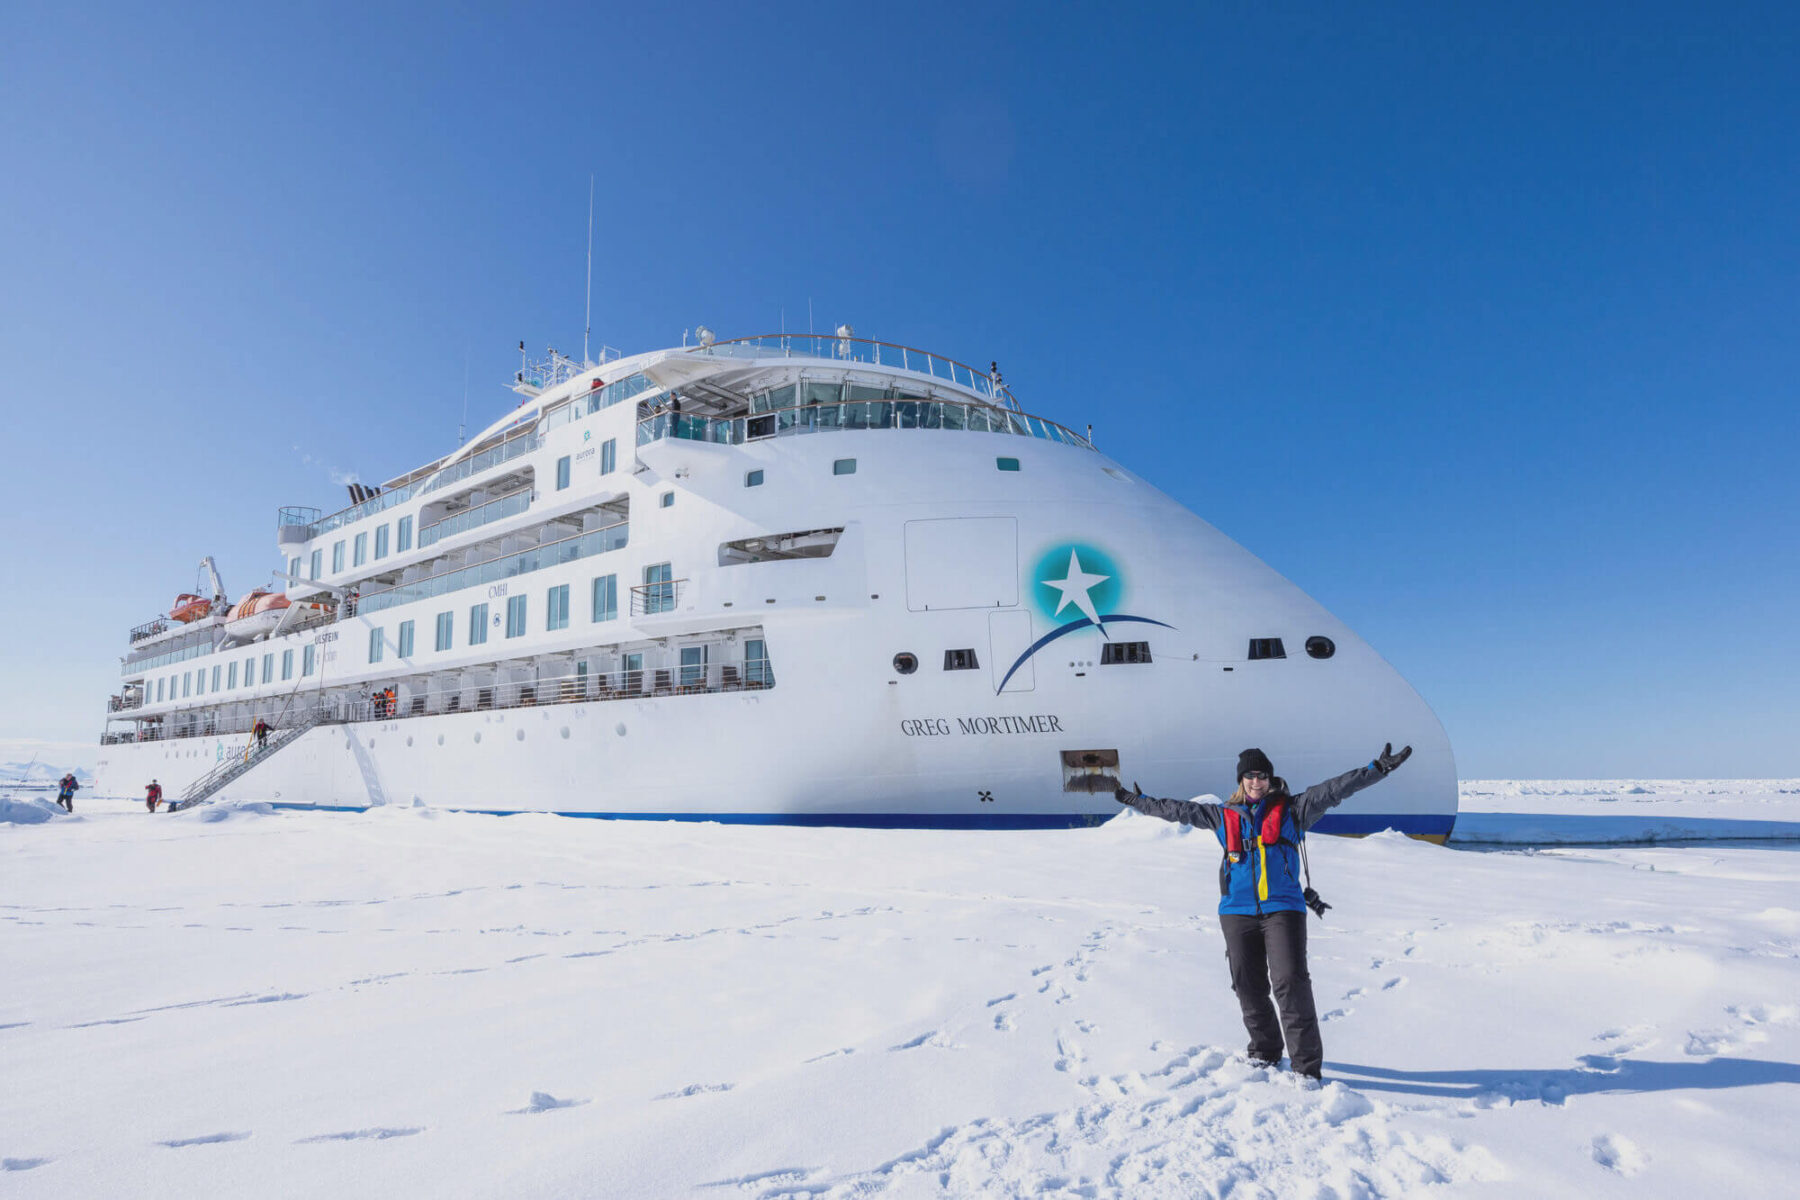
[{"x": 1075, "y": 584}]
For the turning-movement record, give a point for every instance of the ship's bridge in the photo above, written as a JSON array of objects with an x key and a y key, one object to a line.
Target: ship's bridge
[{"x": 752, "y": 388}]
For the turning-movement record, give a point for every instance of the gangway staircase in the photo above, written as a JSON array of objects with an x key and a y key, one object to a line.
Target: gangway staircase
[{"x": 211, "y": 783}]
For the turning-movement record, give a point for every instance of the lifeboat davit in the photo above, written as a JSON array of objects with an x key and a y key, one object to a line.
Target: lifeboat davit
[
  {"x": 189, "y": 607},
  {"x": 256, "y": 614}
]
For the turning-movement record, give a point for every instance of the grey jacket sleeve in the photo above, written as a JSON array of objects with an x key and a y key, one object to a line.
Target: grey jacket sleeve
[
  {"x": 1312, "y": 804},
  {"x": 1186, "y": 812}
]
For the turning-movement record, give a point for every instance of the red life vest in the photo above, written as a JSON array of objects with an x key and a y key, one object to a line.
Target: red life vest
[{"x": 1270, "y": 832}]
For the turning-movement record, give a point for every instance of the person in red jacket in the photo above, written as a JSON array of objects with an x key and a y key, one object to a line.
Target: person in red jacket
[{"x": 153, "y": 795}]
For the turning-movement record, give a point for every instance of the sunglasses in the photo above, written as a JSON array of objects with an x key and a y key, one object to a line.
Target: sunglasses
[{"x": 1258, "y": 775}]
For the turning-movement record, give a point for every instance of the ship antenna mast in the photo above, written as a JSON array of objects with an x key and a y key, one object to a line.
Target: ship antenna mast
[{"x": 588, "y": 327}]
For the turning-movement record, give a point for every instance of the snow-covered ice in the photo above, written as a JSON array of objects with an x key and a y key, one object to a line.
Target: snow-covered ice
[{"x": 234, "y": 1001}]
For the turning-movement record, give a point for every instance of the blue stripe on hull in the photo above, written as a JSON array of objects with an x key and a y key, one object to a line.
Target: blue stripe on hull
[{"x": 1416, "y": 824}]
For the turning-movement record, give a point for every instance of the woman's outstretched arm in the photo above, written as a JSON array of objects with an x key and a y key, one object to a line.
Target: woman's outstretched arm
[
  {"x": 1312, "y": 804},
  {"x": 1187, "y": 812}
]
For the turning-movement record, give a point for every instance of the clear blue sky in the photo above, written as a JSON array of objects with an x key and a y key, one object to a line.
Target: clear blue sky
[{"x": 1479, "y": 326}]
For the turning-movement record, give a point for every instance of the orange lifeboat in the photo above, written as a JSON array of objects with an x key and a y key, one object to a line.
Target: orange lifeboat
[
  {"x": 189, "y": 607},
  {"x": 256, "y": 613}
]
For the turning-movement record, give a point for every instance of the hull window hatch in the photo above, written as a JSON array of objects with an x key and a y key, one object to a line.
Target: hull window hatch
[{"x": 1090, "y": 771}]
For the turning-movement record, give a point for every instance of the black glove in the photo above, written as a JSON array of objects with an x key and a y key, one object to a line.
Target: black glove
[
  {"x": 1387, "y": 760},
  {"x": 1125, "y": 797},
  {"x": 1313, "y": 902}
]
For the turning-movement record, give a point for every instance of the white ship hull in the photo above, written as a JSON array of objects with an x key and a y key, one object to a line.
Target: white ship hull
[{"x": 940, "y": 551}]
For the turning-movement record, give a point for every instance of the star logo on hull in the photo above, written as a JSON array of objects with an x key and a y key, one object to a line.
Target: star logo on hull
[{"x": 1082, "y": 578}]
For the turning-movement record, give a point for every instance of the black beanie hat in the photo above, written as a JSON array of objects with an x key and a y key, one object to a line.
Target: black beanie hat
[{"x": 1254, "y": 760}]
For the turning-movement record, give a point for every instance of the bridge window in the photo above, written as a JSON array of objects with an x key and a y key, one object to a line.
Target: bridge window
[
  {"x": 1114, "y": 653},
  {"x": 961, "y": 660},
  {"x": 1266, "y": 648}
]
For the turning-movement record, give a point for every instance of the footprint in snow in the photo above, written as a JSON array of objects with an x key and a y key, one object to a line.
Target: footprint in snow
[
  {"x": 376, "y": 1133},
  {"x": 832, "y": 1054},
  {"x": 205, "y": 1139},
  {"x": 696, "y": 1089},
  {"x": 1393, "y": 983},
  {"x": 1004, "y": 1022},
  {"x": 544, "y": 1102},
  {"x": 990, "y": 1003},
  {"x": 23, "y": 1164},
  {"x": 1336, "y": 1014},
  {"x": 1618, "y": 1154},
  {"x": 272, "y": 998}
]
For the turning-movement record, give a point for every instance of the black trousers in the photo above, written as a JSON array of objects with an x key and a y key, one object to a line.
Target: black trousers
[{"x": 1269, "y": 952}]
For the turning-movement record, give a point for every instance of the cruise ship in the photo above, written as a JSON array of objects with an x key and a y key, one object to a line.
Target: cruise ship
[{"x": 806, "y": 579}]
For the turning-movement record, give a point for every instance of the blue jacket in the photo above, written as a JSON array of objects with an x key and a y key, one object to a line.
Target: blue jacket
[{"x": 1265, "y": 878}]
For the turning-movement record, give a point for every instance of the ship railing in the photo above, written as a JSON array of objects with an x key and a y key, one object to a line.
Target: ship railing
[
  {"x": 204, "y": 723},
  {"x": 369, "y": 507},
  {"x": 505, "y": 566},
  {"x": 150, "y": 629},
  {"x": 856, "y": 350},
  {"x": 522, "y": 442},
  {"x": 663, "y": 596},
  {"x": 748, "y": 674},
  {"x": 854, "y": 415},
  {"x": 473, "y": 518}
]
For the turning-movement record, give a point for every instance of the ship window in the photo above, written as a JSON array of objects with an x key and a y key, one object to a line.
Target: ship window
[
  {"x": 318, "y": 564},
  {"x": 556, "y": 612},
  {"x": 381, "y": 541},
  {"x": 231, "y": 675},
  {"x": 844, "y": 466},
  {"x": 403, "y": 535},
  {"x": 287, "y": 664},
  {"x": 249, "y": 672},
  {"x": 1320, "y": 647},
  {"x": 1007, "y": 464},
  {"x": 478, "y": 623},
  {"x": 668, "y": 500},
  {"x": 375, "y": 644},
  {"x": 659, "y": 588},
  {"x": 562, "y": 472},
  {"x": 609, "y": 455},
  {"x": 361, "y": 553},
  {"x": 446, "y": 631},
  {"x": 1266, "y": 648},
  {"x": 308, "y": 659},
  {"x": 606, "y": 597},
  {"x": 693, "y": 666},
  {"x": 187, "y": 684},
  {"x": 961, "y": 660},
  {"x": 294, "y": 566},
  {"x": 906, "y": 663},
  {"x": 337, "y": 557},
  {"x": 215, "y": 682},
  {"x": 1113, "y": 653},
  {"x": 756, "y": 664},
  {"x": 200, "y": 682},
  {"x": 159, "y": 690},
  {"x": 823, "y": 393},
  {"x": 406, "y": 639},
  {"x": 515, "y": 616},
  {"x": 268, "y": 671},
  {"x": 753, "y": 479}
]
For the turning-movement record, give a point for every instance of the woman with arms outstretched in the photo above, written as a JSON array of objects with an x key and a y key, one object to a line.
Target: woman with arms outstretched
[{"x": 1262, "y": 901}]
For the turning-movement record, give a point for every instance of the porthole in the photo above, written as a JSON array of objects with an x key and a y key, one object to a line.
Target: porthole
[
  {"x": 906, "y": 663},
  {"x": 565, "y": 733},
  {"x": 409, "y": 739},
  {"x": 440, "y": 739},
  {"x": 519, "y": 734},
  {"x": 1320, "y": 647},
  {"x": 1006, "y": 464},
  {"x": 478, "y": 735}
]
